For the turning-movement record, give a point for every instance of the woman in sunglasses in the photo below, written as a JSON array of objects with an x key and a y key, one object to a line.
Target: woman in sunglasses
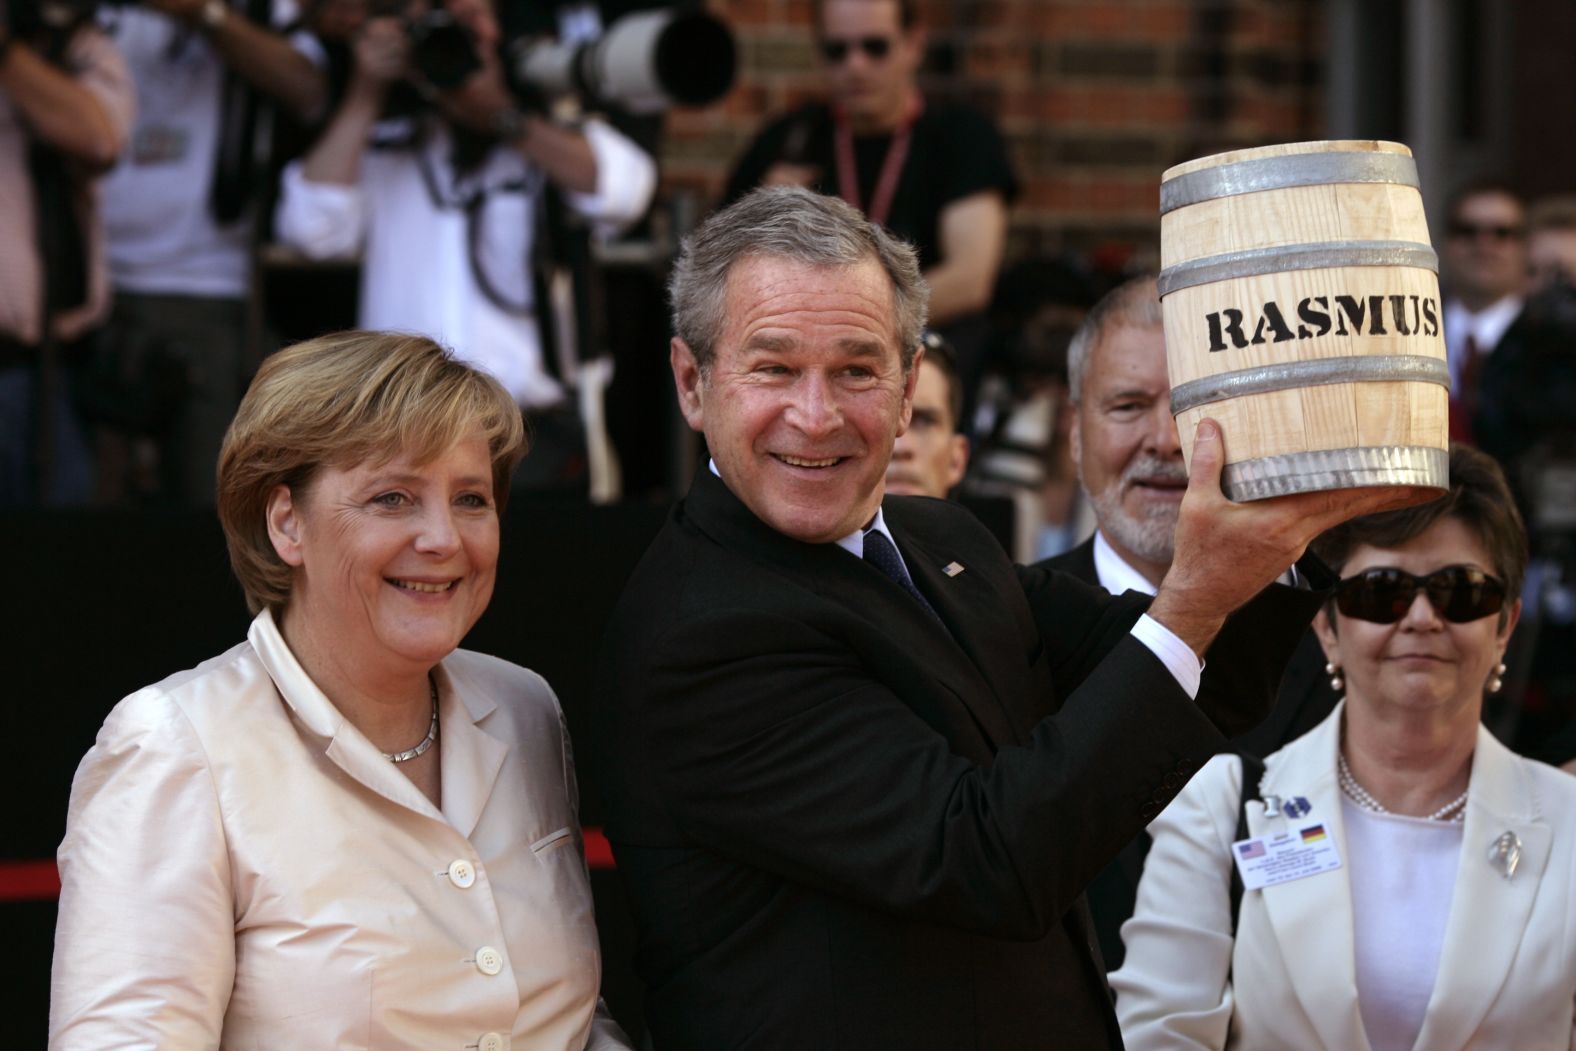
[{"x": 1396, "y": 878}]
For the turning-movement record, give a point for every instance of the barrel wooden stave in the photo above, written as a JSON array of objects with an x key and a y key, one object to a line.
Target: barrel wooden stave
[{"x": 1402, "y": 424}]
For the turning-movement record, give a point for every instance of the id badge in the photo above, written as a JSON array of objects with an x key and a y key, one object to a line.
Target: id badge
[
  {"x": 1284, "y": 856},
  {"x": 159, "y": 144}
]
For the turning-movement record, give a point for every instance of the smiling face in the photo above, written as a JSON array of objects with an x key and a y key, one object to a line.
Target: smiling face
[
  {"x": 873, "y": 90},
  {"x": 1125, "y": 444},
  {"x": 393, "y": 562},
  {"x": 931, "y": 457},
  {"x": 1422, "y": 663},
  {"x": 805, "y": 393}
]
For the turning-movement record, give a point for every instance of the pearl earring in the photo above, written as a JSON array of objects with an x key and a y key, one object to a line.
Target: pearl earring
[
  {"x": 1334, "y": 672},
  {"x": 1496, "y": 682}
]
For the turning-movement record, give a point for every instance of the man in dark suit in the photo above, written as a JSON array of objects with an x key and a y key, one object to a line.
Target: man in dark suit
[
  {"x": 860, "y": 767},
  {"x": 1129, "y": 458}
]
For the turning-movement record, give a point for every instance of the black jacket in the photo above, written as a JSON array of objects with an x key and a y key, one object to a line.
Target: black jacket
[
  {"x": 842, "y": 825},
  {"x": 1305, "y": 698}
]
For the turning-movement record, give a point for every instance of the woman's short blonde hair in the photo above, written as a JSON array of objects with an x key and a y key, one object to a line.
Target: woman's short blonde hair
[{"x": 341, "y": 400}]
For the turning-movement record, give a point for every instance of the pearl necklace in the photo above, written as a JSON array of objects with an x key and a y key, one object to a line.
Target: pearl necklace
[
  {"x": 1455, "y": 810},
  {"x": 426, "y": 742}
]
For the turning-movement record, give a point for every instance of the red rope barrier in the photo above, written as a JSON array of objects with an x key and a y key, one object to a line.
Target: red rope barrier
[{"x": 39, "y": 881}]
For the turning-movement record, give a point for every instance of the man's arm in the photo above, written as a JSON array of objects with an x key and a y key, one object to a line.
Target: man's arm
[
  {"x": 381, "y": 52},
  {"x": 770, "y": 742},
  {"x": 973, "y": 233},
  {"x": 262, "y": 57},
  {"x": 57, "y": 108}
]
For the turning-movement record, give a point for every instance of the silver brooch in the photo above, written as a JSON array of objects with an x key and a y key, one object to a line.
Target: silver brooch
[{"x": 1505, "y": 854}]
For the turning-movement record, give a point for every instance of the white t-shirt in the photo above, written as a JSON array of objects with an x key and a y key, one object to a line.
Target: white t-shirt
[
  {"x": 161, "y": 234},
  {"x": 407, "y": 218}
]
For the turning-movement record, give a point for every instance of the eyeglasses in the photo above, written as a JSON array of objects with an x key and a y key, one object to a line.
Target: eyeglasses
[
  {"x": 836, "y": 51},
  {"x": 1384, "y": 594},
  {"x": 1497, "y": 231}
]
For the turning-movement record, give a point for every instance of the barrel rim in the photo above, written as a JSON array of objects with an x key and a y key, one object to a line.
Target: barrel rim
[
  {"x": 1311, "y": 255},
  {"x": 1287, "y": 149},
  {"x": 1288, "y": 171},
  {"x": 1309, "y": 372},
  {"x": 1317, "y": 470}
]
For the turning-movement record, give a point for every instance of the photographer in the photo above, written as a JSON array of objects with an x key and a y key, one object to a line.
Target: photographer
[
  {"x": 178, "y": 212},
  {"x": 65, "y": 106},
  {"x": 441, "y": 185}
]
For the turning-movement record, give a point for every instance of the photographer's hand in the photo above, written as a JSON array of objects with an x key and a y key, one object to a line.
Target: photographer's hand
[
  {"x": 262, "y": 57},
  {"x": 382, "y": 52}
]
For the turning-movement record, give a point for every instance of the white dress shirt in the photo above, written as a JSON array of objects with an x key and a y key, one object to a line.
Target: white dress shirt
[
  {"x": 1485, "y": 328},
  {"x": 418, "y": 269}
]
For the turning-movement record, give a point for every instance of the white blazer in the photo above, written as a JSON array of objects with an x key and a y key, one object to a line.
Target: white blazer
[
  {"x": 243, "y": 869},
  {"x": 1507, "y": 971}
]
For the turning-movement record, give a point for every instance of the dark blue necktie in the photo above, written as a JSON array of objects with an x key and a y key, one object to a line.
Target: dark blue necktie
[{"x": 880, "y": 553}]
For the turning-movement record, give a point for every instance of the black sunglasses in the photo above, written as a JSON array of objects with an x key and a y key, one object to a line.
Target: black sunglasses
[
  {"x": 1498, "y": 232},
  {"x": 836, "y": 51},
  {"x": 1384, "y": 594}
]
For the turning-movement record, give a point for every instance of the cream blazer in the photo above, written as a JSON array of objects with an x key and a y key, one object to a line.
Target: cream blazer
[
  {"x": 242, "y": 869},
  {"x": 1507, "y": 971}
]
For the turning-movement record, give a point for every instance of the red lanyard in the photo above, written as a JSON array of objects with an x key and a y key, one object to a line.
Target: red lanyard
[{"x": 891, "y": 166}]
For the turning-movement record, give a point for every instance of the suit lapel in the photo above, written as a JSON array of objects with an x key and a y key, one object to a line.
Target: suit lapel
[
  {"x": 980, "y": 624},
  {"x": 891, "y": 613},
  {"x": 347, "y": 747},
  {"x": 472, "y": 757},
  {"x": 1312, "y": 917},
  {"x": 1488, "y": 913}
]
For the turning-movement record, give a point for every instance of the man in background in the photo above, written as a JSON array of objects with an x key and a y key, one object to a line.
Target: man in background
[
  {"x": 936, "y": 174},
  {"x": 1129, "y": 460},
  {"x": 65, "y": 108},
  {"x": 1485, "y": 272},
  {"x": 178, "y": 212},
  {"x": 931, "y": 457},
  {"x": 1551, "y": 241}
]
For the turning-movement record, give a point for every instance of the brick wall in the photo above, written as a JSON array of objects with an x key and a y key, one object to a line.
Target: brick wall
[{"x": 1096, "y": 98}]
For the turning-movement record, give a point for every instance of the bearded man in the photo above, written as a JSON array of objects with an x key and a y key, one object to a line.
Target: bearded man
[{"x": 1129, "y": 458}]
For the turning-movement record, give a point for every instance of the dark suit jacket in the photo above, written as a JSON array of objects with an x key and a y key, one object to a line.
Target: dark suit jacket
[
  {"x": 1303, "y": 701},
  {"x": 843, "y": 825}
]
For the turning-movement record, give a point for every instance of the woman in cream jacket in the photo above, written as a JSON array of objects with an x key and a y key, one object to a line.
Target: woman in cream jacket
[
  {"x": 1444, "y": 919},
  {"x": 344, "y": 832}
]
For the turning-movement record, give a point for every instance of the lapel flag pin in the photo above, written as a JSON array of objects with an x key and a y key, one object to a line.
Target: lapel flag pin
[
  {"x": 1505, "y": 853},
  {"x": 952, "y": 569}
]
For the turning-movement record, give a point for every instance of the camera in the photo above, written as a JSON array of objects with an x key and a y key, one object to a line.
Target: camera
[
  {"x": 645, "y": 62},
  {"x": 23, "y": 18}
]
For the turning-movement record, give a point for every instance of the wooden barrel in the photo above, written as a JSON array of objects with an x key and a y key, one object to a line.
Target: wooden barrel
[{"x": 1301, "y": 303}]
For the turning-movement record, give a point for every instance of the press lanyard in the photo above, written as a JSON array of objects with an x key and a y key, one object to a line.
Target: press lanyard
[{"x": 891, "y": 167}]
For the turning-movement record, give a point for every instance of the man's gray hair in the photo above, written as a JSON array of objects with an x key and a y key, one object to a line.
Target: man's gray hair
[
  {"x": 789, "y": 223},
  {"x": 1134, "y": 302}
]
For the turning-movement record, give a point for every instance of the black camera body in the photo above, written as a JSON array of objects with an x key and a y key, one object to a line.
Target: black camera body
[
  {"x": 442, "y": 49},
  {"x": 644, "y": 62},
  {"x": 28, "y": 18}
]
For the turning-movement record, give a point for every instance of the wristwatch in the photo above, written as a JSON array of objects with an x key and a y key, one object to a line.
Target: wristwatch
[{"x": 213, "y": 14}]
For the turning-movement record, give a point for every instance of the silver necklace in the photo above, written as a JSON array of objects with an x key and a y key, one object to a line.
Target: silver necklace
[
  {"x": 1455, "y": 810},
  {"x": 426, "y": 742}
]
